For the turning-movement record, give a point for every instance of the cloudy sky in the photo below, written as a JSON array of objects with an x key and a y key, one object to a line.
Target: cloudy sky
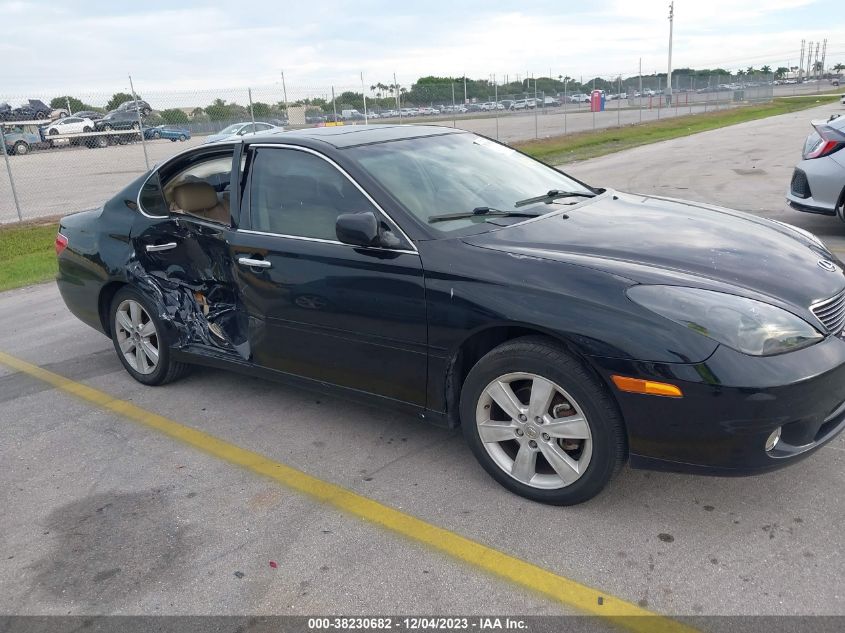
[{"x": 87, "y": 48}]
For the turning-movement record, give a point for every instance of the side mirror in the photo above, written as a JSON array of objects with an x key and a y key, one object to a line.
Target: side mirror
[{"x": 358, "y": 229}]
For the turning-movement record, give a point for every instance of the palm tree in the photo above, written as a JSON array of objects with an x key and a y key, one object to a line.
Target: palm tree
[
  {"x": 766, "y": 69},
  {"x": 839, "y": 67}
]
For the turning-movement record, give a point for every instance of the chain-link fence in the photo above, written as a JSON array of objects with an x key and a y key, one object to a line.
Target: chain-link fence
[{"x": 72, "y": 152}]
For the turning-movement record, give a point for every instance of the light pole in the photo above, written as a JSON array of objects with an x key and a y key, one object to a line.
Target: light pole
[{"x": 669, "y": 74}]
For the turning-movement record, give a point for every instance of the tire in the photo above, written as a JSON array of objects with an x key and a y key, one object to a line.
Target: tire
[
  {"x": 136, "y": 126},
  {"x": 107, "y": 127},
  {"x": 571, "y": 401},
  {"x": 87, "y": 129},
  {"x": 127, "y": 304},
  {"x": 173, "y": 140},
  {"x": 156, "y": 135},
  {"x": 41, "y": 115},
  {"x": 53, "y": 132},
  {"x": 21, "y": 148},
  {"x": 183, "y": 138}
]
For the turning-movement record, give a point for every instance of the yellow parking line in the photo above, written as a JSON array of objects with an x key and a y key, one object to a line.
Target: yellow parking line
[{"x": 569, "y": 592}]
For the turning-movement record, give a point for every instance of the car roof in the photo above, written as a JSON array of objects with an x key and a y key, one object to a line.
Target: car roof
[{"x": 343, "y": 136}]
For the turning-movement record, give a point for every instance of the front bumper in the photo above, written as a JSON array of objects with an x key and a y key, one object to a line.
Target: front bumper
[{"x": 731, "y": 404}]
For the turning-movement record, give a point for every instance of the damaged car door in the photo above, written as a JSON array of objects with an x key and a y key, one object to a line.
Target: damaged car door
[
  {"x": 180, "y": 258},
  {"x": 347, "y": 315}
]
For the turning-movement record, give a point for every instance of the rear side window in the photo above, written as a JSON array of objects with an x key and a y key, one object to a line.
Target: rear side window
[
  {"x": 299, "y": 194},
  {"x": 198, "y": 185}
]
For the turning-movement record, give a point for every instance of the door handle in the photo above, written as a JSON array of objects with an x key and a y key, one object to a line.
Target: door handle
[
  {"x": 154, "y": 248},
  {"x": 254, "y": 263}
]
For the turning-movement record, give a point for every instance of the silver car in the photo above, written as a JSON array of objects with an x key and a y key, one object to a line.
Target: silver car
[
  {"x": 818, "y": 182},
  {"x": 242, "y": 129}
]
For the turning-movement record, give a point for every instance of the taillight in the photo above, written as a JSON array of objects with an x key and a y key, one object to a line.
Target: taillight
[
  {"x": 830, "y": 140},
  {"x": 61, "y": 243}
]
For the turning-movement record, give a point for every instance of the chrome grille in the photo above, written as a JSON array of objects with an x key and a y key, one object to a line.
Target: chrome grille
[{"x": 831, "y": 312}]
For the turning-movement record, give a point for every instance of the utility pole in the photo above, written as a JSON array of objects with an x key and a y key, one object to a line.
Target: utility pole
[
  {"x": 801, "y": 62},
  {"x": 809, "y": 60},
  {"x": 364, "y": 95},
  {"x": 669, "y": 74},
  {"x": 824, "y": 54},
  {"x": 465, "y": 89},
  {"x": 640, "y": 98}
]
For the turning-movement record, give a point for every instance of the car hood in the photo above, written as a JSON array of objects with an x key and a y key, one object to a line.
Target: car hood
[{"x": 660, "y": 240}]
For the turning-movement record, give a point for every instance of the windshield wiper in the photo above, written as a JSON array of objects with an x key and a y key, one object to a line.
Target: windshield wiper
[
  {"x": 554, "y": 194},
  {"x": 485, "y": 211}
]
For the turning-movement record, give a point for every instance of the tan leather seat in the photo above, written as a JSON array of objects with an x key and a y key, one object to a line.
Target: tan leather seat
[{"x": 200, "y": 199}]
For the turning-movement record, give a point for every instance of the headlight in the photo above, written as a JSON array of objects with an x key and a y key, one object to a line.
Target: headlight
[{"x": 746, "y": 325}]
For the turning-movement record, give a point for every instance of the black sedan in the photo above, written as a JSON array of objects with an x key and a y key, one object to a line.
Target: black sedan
[
  {"x": 118, "y": 120},
  {"x": 565, "y": 328}
]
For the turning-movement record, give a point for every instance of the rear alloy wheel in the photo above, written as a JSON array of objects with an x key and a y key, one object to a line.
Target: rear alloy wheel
[
  {"x": 182, "y": 137},
  {"x": 540, "y": 424},
  {"x": 21, "y": 148},
  {"x": 156, "y": 134},
  {"x": 138, "y": 341}
]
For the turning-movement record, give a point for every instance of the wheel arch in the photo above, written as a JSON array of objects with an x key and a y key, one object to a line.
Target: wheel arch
[
  {"x": 104, "y": 301},
  {"x": 474, "y": 346}
]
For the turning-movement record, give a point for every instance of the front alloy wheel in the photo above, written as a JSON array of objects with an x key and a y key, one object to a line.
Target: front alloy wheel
[
  {"x": 534, "y": 430},
  {"x": 541, "y": 423}
]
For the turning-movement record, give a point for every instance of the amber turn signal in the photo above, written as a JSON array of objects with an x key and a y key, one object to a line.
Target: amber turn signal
[{"x": 650, "y": 387}]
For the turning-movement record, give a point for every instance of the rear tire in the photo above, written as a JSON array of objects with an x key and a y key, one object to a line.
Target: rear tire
[
  {"x": 139, "y": 340},
  {"x": 21, "y": 148},
  {"x": 561, "y": 439}
]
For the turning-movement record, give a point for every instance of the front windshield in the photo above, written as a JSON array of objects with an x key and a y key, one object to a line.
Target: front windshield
[
  {"x": 232, "y": 129},
  {"x": 456, "y": 173}
]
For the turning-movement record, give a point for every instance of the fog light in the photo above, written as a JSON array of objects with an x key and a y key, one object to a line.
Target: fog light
[{"x": 773, "y": 439}]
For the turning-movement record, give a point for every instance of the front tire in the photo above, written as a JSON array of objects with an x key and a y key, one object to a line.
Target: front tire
[
  {"x": 21, "y": 148},
  {"x": 540, "y": 423},
  {"x": 138, "y": 337}
]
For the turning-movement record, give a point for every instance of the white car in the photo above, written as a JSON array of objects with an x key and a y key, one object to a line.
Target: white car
[
  {"x": 70, "y": 125},
  {"x": 243, "y": 129}
]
